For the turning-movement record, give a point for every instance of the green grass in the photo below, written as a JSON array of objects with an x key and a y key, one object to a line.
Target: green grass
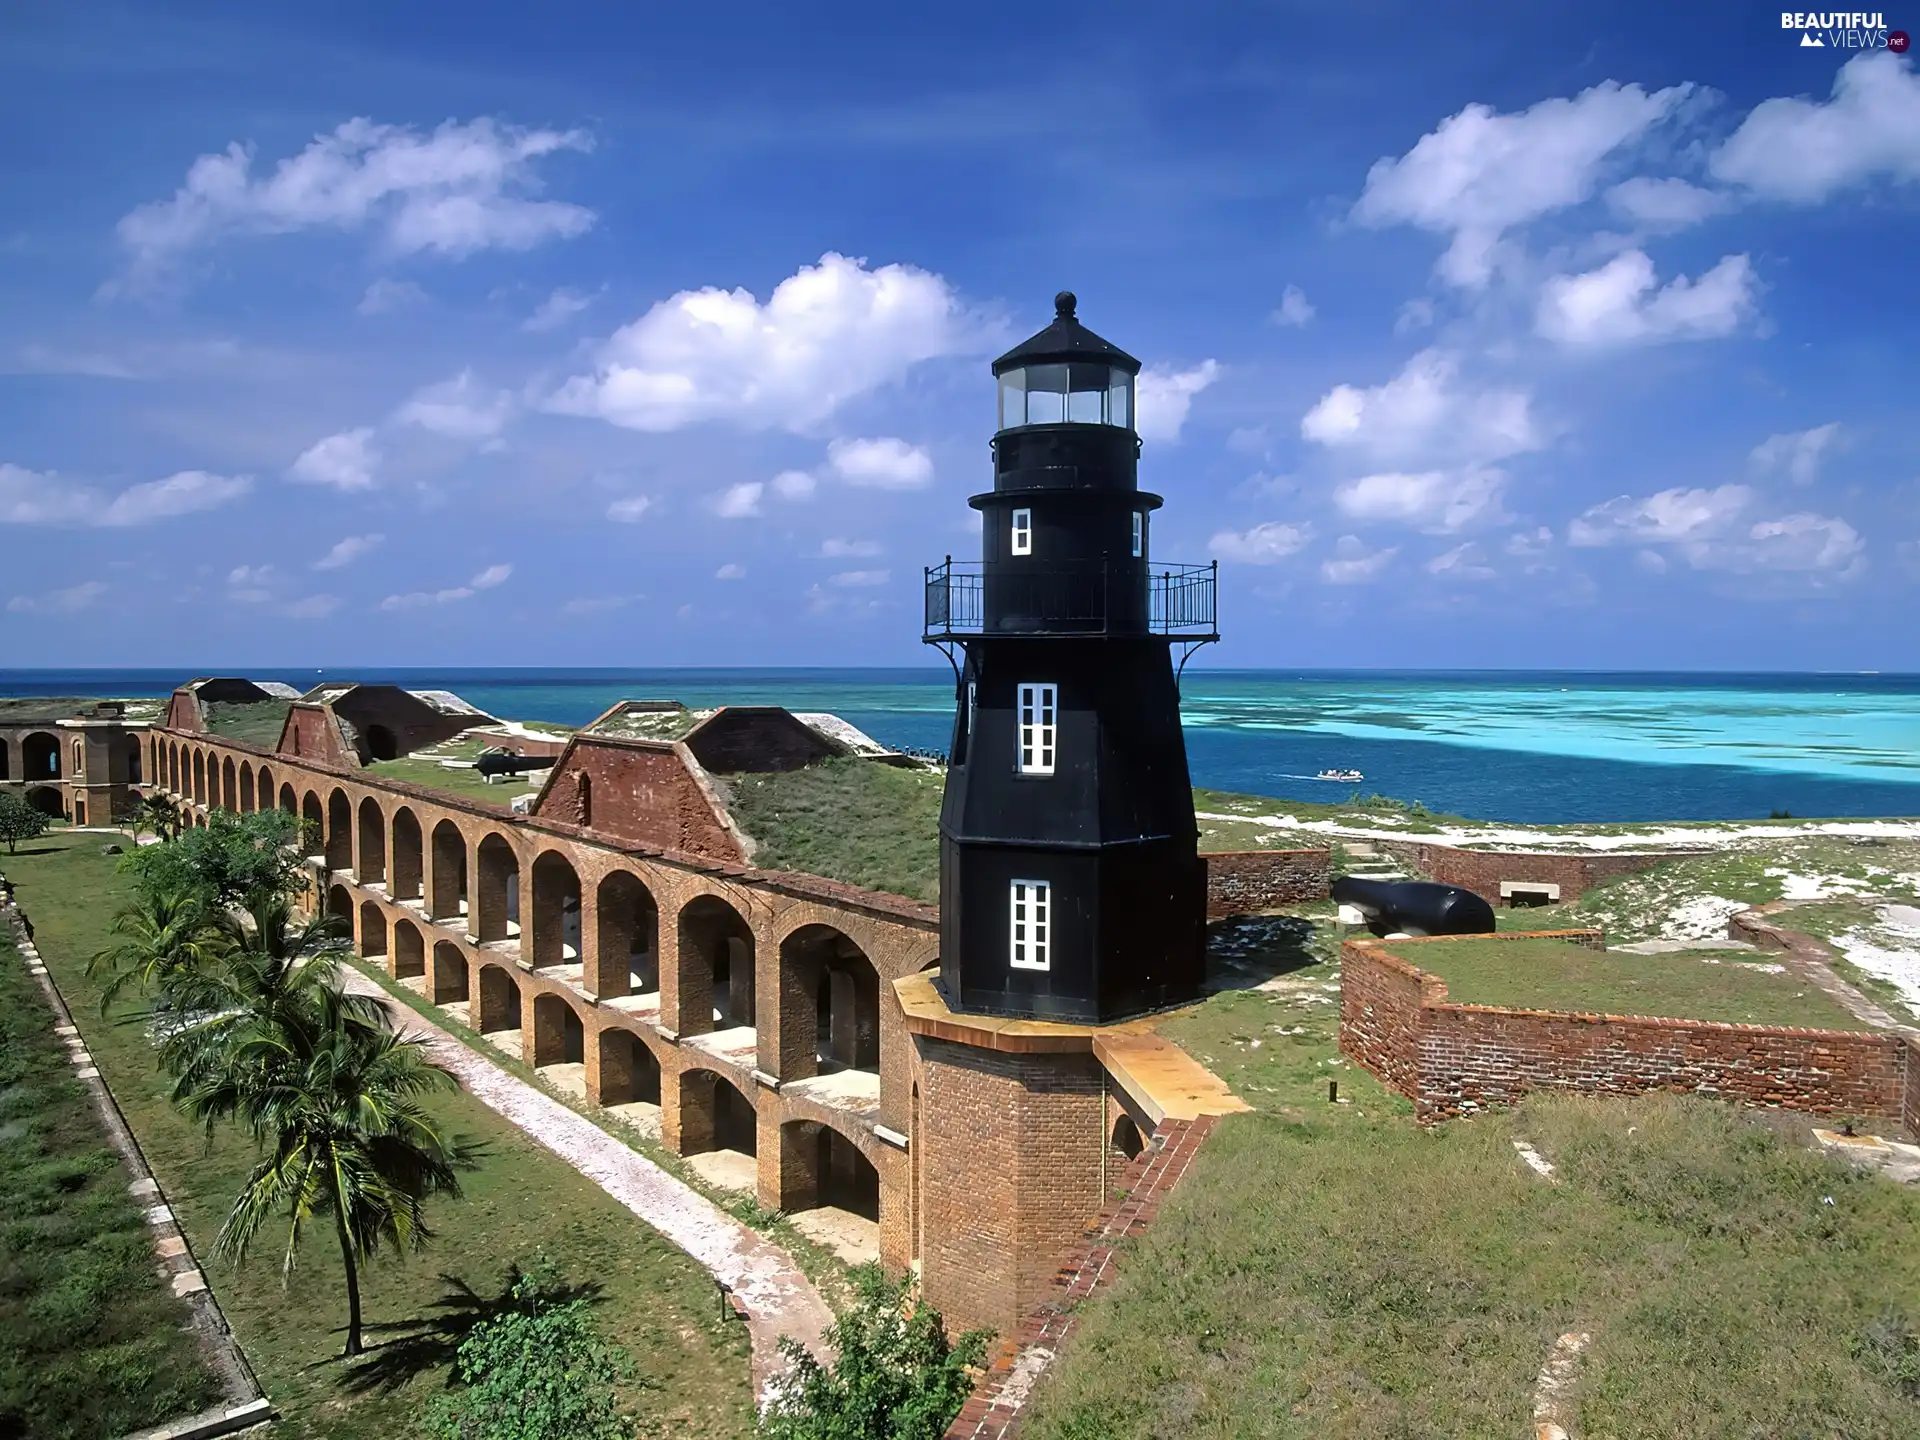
[
  {"x": 257, "y": 722},
  {"x": 423, "y": 768},
  {"x": 1386, "y": 1281},
  {"x": 848, "y": 820},
  {"x": 657, "y": 1302},
  {"x": 1545, "y": 974},
  {"x": 92, "y": 1342}
]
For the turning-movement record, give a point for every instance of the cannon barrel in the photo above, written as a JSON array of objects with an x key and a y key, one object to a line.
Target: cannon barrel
[
  {"x": 1415, "y": 907},
  {"x": 506, "y": 764}
]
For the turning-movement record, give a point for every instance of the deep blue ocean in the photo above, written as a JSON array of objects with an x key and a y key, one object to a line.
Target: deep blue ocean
[{"x": 1519, "y": 746}]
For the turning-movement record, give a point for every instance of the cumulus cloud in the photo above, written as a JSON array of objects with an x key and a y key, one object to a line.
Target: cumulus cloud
[
  {"x": 1428, "y": 413},
  {"x": 384, "y": 295},
  {"x": 1266, "y": 544},
  {"x": 1463, "y": 562},
  {"x": 1438, "y": 501},
  {"x": 487, "y": 579},
  {"x": 461, "y": 409},
  {"x": 1619, "y": 304},
  {"x": 827, "y": 334},
  {"x": 346, "y": 551},
  {"x": 730, "y": 571},
  {"x": 1805, "y": 150},
  {"x": 346, "y": 461},
  {"x": 1353, "y": 564},
  {"x": 1163, "y": 397},
  {"x": 558, "y": 308},
  {"x": 882, "y": 464},
  {"x": 1663, "y": 204},
  {"x": 739, "y": 502},
  {"x": 837, "y": 549},
  {"x": 629, "y": 509},
  {"x": 461, "y": 189},
  {"x": 58, "y": 602},
  {"x": 860, "y": 578},
  {"x": 1669, "y": 516},
  {"x": 33, "y": 497},
  {"x": 1796, "y": 454},
  {"x": 1708, "y": 529},
  {"x": 250, "y": 574},
  {"x": 1294, "y": 309},
  {"x": 1481, "y": 173},
  {"x": 794, "y": 485}
]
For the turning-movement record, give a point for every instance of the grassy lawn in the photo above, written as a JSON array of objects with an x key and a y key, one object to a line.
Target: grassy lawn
[
  {"x": 257, "y": 722},
  {"x": 1379, "y": 1280},
  {"x": 92, "y": 1342},
  {"x": 523, "y": 1201},
  {"x": 849, "y": 820},
  {"x": 1685, "y": 985},
  {"x": 423, "y": 768}
]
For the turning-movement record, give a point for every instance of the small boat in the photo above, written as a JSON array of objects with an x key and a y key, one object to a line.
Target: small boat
[{"x": 1348, "y": 776}]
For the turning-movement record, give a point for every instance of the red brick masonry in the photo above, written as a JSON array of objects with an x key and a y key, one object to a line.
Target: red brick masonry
[
  {"x": 1482, "y": 871},
  {"x": 1245, "y": 882},
  {"x": 993, "y": 1411},
  {"x": 1453, "y": 1060}
]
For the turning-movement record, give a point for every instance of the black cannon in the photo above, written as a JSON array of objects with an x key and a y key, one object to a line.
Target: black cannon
[
  {"x": 1415, "y": 907},
  {"x": 505, "y": 762}
]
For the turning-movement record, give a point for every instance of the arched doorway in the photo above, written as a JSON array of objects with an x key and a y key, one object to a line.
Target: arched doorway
[
  {"x": 449, "y": 983},
  {"x": 830, "y": 1190},
  {"x": 199, "y": 778},
  {"x": 313, "y": 824},
  {"x": 373, "y": 930},
  {"x": 39, "y": 757},
  {"x": 1125, "y": 1138},
  {"x": 448, "y": 900},
  {"x": 229, "y": 786},
  {"x": 628, "y": 922},
  {"x": 381, "y": 744},
  {"x": 340, "y": 911},
  {"x": 246, "y": 788},
  {"x": 47, "y": 801},
  {"x": 559, "y": 1045},
  {"x": 629, "y": 1079},
  {"x": 409, "y": 954},
  {"x": 404, "y": 883},
  {"x": 829, "y": 1006},
  {"x": 372, "y": 866},
  {"x": 6, "y": 759},
  {"x": 719, "y": 1133},
  {"x": 136, "y": 767},
  {"x": 499, "y": 892},
  {"x": 499, "y": 1017},
  {"x": 556, "y": 914},
  {"x": 715, "y": 968},
  {"x": 339, "y": 831}
]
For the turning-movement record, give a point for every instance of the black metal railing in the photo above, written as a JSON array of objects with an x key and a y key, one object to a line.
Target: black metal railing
[{"x": 1098, "y": 597}]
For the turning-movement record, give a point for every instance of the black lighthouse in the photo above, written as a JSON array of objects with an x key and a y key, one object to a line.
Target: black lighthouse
[{"x": 1070, "y": 884}]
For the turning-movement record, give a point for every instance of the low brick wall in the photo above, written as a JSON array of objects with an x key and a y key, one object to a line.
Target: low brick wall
[
  {"x": 1452, "y": 1060},
  {"x": 1245, "y": 882},
  {"x": 1484, "y": 871}
]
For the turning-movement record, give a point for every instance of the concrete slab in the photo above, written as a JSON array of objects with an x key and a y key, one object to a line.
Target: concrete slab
[
  {"x": 726, "y": 1170},
  {"x": 738, "y": 1046},
  {"x": 857, "y": 1091},
  {"x": 189, "y": 1282},
  {"x": 170, "y": 1247},
  {"x": 568, "y": 1079},
  {"x": 643, "y": 1115},
  {"x": 647, "y": 1003},
  {"x": 508, "y": 1042},
  {"x": 1163, "y": 1080},
  {"x": 854, "y": 1238}
]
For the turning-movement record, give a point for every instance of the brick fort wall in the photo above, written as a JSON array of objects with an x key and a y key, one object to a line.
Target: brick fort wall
[{"x": 1244, "y": 882}]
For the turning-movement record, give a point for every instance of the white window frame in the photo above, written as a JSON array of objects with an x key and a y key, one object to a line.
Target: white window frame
[
  {"x": 973, "y": 720},
  {"x": 1030, "y": 924},
  {"x": 1039, "y": 720},
  {"x": 1020, "y": 542},
  {"x": 1139, "y": 534}
]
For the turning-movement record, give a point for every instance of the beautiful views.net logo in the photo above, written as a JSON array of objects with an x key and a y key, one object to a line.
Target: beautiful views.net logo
[{"x": 1844, "y": 30}]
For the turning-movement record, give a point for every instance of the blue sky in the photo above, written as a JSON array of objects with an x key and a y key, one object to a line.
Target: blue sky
[{"x": 621, "y": 335}]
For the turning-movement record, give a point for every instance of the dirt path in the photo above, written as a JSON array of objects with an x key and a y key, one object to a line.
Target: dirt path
[{"x": 779, "y": 1299}]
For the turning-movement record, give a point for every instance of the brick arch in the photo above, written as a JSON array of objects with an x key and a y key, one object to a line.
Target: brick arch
[
  {"x": 313, "y": 817},
  {"x": 339, "y": 850},
  {"x": 824, "y": 1164},
  {"x": 340, "y": 911},
  {"x": 246, "y": 787},
  {"x": 713, "y": 966},
  {"x": 495, "y": 896},
  {"x": 370, "y": 863},
  {"x": 629, "y": 1068},
  {"x": 499, "y": 1003},
  {"x": 450, "y": 980},
  {"x": 199, "y": 786},
  {"x": 829, "y": 1006},
  {"x": 447, "y": 896},
  {"x": 173, "y": 766},
  {"x": 263, "y": 789},
  {"x": 229, "y": 786},
  {"x": 627, "y": 936},
  {"x": 409, "y": 951},
  {"x": 406, "y": 858},
  {"x": 556, "y": 913},
  {"x": 373, "y": 930},
  {"x": 559, "y": 1030},
  {"x": 715, "y": 1113}
]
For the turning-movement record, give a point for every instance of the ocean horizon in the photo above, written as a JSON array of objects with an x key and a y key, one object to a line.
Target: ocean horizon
[{"x": 1520, "y": 746}]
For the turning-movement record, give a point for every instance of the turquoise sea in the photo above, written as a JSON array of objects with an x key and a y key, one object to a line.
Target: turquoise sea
[{"x": 1523, "y": 746}]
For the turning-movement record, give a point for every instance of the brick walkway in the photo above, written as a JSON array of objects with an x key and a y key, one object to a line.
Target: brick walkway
[{"x": 778, "y": 1298}]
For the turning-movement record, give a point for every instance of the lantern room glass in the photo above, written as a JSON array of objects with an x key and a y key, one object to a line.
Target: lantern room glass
[{"x": 1066, "y": 394}]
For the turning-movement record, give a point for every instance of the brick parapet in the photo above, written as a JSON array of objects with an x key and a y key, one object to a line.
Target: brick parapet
[
  {"x": 1245, "y": 882},
  {"x": 997, "y": 1405},
  {"x": 1572, "y": 873}
]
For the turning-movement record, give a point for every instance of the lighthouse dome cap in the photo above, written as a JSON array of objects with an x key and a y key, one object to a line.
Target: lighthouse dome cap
[{"x": 1064, "y": 341}]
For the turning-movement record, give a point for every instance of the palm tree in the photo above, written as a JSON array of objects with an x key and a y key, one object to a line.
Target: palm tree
[
  {"x": 327, "y": 1088},
  {"x": 156, "y": 813},
  {"x": 163, "y": 936}
]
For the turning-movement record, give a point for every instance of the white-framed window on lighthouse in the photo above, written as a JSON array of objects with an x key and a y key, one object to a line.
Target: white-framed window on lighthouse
[
  {"x": 1139, "y": 534},
  {"x": 1039, "y": 719},
  {"x": 1022, "y": 534},
  {"x": 1030, "y": 925}
]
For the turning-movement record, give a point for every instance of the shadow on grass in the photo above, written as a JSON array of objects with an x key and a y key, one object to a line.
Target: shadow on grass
[
  {"x": 1249, "y": 950},
  {"x": 402, "y": 1349}
]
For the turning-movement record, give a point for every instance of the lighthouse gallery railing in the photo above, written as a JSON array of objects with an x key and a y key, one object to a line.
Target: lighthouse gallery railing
[{"x": 1088, "y": 598}]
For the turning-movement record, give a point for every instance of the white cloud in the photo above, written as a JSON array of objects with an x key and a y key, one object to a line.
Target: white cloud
[
  {"x": 1663, "y": 204},
  {"x": 1163, "y": 397},
  {"x": 312, "y": 607},
  {"x": 460, "y": 408},
  {"x": 838, "y": 549},
  {"x": 860, "y": 577},
  {"x": 1416, "y": 314},
  {"x": 794, "y": 485},
  {"x": 1669, "y": 516},
  {"x": 31, "y": 497},
  {"x": 454, "y": 192},
  {"x": 882, "y": 464},
  {"x": 346, "y": 551},
  {"x": 1480, "y": 174},
  {"x": 1295, "y": 309},
  {"x": 250, "y": 575},
  {"x": 1353, "y": 563},
  {"x": 1438, "y": 501},
  {"x": 827, "y": 334},
  {"x": 1463, "y": 562},
  {"x": 1804, "y": 150},
  {"x": 346, "y": 461},
  {"x": 730, "y": 571},
  {"x": 558, "y": 308},
  {"x": 1797, "y": 453},
  {"x": 1530, "y": 544},
  {"x": 1425, "y": 414},
  {"x": 630, "y": 509},
  {"x": 487, "y": 579},
  {"x": 1618, "y": 304},
  {"x": 1799, "y": 542},
  {"x": 1266, "y": 544},
  {"x": 384, "y": 295},
  {"x": 740, "y": 501},
  {"x": 58, "y": 602}
]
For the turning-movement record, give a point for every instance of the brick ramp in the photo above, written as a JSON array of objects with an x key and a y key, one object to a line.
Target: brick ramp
[
  {"x": 994, "y": 1409},
  {"x": 778, "y": 1298}
]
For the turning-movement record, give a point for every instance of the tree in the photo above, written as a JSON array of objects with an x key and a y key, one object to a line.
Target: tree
[
  {"x": 894, "y": 1374},
  {"x": 160, "y": 935},
  {"x": 540, "y": 1371},
  {"x": 156, "y": 813},
  {"x": 230, "y": 860},
  {"x": 326, "y": 1087},
  {"x": 19, "y": 820}
]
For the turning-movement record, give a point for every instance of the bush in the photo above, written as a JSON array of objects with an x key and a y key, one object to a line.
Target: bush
[
  {"x": 232, "y": 859},
  {"x": 19, "y": 820}
]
